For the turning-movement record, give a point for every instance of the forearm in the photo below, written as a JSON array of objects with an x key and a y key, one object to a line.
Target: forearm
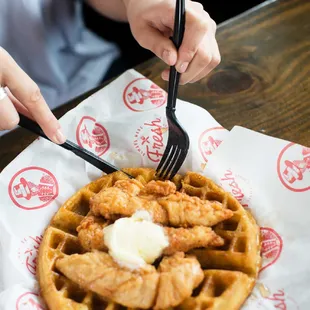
[{"x": 114, "y": 9}]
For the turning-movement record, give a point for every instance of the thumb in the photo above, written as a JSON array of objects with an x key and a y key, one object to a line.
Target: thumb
[{"x": 153, "y": 40}]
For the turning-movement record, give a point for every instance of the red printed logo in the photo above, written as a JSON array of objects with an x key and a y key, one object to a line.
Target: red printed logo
[
  {"x": 278, "y": 300},
  {"x": 209, "y": 141},
  {"x": 33, "y": 188},
  {"x": 28, "y": 252},
  {"x": 92, "y": 136},
  {"x": 142, "y": 98},
  {"x": 294, "y": 170},
  {"x": 29, "y": 301},
  {"x": 149, "y": 139},
  {"x": 272, "y": 245},
  {"x": 238, "y": 186}
]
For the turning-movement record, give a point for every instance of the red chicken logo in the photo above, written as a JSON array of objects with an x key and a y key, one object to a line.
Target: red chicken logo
[
  {"x": 92, "y": 136},
  {"x": 141, "y": 95},
  {"x": 294, "y": 170},
  {"x": 272, "y": 245},
  {"x": 210, "y": 140},
  {"x": 33, "y": 188},
  {"x": 28, "y": 301}
]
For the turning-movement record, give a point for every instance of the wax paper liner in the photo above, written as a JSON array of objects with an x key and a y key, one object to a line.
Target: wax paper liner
[
  {"x": 125, "y": 124},
  {"x": 271, "y": 177}
]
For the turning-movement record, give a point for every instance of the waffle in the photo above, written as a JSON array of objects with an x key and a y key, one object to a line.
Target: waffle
[{"x": 230, "y": 271}]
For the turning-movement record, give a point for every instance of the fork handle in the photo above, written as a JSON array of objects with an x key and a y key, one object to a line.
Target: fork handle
[
  {"x": 177, "y": 38},
  {"x": 179, "y": 23},
  {"x": 174, "y": 78}
]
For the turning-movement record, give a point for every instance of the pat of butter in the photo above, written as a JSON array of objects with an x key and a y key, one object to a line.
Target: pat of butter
[{"x": 135, "y": 241}]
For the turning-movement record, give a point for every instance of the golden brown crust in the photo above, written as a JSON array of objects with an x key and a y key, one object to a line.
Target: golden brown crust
[
  {"x": 160, "y": 188},
  {"x": 186, "y": 239},
  {"x": 90, "y": 233},
  {"x": 179, "y": 276}
]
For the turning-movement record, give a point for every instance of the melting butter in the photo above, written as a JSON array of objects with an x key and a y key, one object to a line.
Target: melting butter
[{"x": 135, "y": 241}]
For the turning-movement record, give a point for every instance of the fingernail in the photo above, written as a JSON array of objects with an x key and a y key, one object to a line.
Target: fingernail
[
  {"x": 183, "y": 67},
  {"x": 165, "y": 76},
  {"x": 167, "y": 57},
  {"x": 59, "y": 137}
]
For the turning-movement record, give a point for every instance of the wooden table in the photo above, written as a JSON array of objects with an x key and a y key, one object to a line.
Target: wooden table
[{"x": 262, "y": 83}]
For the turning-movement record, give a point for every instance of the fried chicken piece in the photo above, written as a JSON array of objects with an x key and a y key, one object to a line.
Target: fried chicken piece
[
  {"x": 131, "y": 186},
  {"x": 179, "y": 276},
  {"x": 186, "y": 239},
  {"x": 184, "y": 210},
  {"x": 90, "y": 234},
  {"x": 161, "y": 188},
  {"x": 179, "y": 209},
  {"x": 97, "y": 272},
  {"x": 114, "y": 201}
]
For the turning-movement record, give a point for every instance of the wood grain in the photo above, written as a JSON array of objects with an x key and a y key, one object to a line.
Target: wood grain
[{"x": 262, "y": 83}]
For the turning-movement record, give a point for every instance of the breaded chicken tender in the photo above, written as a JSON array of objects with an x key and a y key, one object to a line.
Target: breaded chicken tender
[
  {"x": 186, "y": 239},
  {"x": 179, "y": 276},
  {"x": 174, "y": 209},
  {"x": 144, "y": 288},
  {"x": 161, "y": 188},
  {"x": 98, "y": 272},
  {"x": 90, "y": 233}
]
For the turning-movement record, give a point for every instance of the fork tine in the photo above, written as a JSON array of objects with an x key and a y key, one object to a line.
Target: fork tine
[
  {"x": 178, "y": 163},
  {"x": 171, "y": 163},
  {"x": 168, "y": 160},
  {"x": 164, "y": 158}
]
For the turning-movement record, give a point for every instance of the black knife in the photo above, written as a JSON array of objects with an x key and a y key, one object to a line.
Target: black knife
[{"x": 71, "y": 146}]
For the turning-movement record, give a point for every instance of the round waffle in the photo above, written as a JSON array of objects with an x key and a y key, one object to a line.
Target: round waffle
[{"x": 230, "y": 271}]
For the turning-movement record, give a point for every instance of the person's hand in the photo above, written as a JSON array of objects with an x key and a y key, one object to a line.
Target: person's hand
[
  {"x": 152, "y": 23},
  {"x": 24, "y": 96}
]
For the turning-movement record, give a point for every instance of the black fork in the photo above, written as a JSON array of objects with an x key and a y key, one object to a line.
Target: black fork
[{"x": 178, "y": 140}]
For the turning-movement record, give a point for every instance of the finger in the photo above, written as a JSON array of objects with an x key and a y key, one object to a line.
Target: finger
[
  {"x": 18, "y": 106},
  {"x": 195, "y": 71},
  {"x": 201, "y": 60},
  {"x": 216, "y": 59},
  {"x": 28, "y": 93},
  {"x": 8, "y": 115},
  {"x": 195, "y": 30},
  {"x": 155, "y": 41},
  {"x": 201, "y": 75},
  {"x": 165, "y": 75}
]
